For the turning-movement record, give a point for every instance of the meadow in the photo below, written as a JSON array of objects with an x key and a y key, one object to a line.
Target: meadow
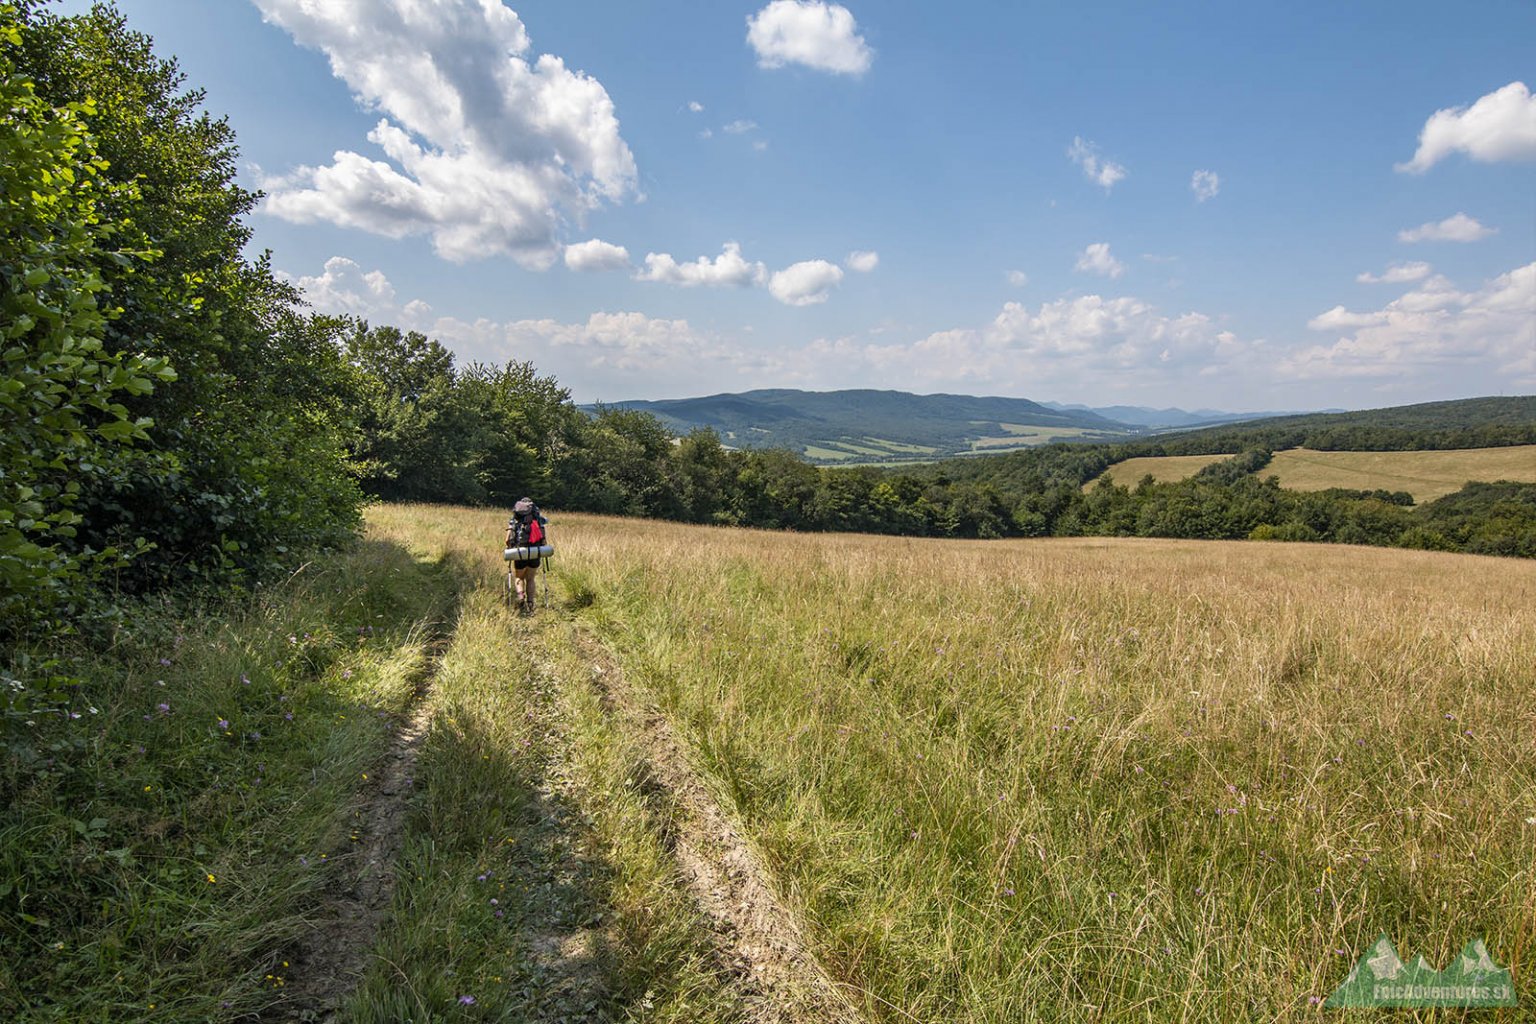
[
  {"x": 1088, "y": 779},
  {"x": 1163, "y": 468},
  {"x": 1426, "y": 475},
  {"x": 1048, "y": 780}
]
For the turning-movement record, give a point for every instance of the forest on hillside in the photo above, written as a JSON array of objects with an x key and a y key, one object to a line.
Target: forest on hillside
[{"x": 176, "y": 417}]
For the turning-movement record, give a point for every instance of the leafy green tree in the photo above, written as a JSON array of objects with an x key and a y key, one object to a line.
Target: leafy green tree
[
  {"x": 62, "y": 416},
  {"x": 244, "y": 465}
]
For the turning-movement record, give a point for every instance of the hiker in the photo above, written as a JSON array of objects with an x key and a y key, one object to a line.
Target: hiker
[{"x": 526, "y": 528}]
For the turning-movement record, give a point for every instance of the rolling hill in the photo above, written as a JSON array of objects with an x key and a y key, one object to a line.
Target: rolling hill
[{"x": 842, "y": 427}]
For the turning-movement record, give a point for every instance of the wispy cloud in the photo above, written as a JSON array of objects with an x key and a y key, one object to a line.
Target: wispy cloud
[
  {"x": 1097, "y": 259},
  {"x": 1205, "y": 185},
  {"x": 1104, "y": 173},
  {"x": 1456, "y": 228}
]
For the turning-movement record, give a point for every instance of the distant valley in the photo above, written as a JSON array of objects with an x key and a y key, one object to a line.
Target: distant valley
[{"x": 863, "y": 426}]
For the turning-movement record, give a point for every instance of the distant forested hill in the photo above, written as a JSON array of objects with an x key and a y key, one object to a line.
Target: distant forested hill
[
  {"x": 878, "y": 426},
  {"x": 1465, "y": 423}
]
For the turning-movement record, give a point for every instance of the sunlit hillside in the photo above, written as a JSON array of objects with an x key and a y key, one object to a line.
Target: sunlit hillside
[
  {"x": 1426, "y": 475},
  {"x": 1082, "y": 779}
]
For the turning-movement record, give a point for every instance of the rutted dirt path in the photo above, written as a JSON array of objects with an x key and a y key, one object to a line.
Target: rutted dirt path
[
  {"x": 332, "y": 958},
  {"x": 758, "y": 938},
  {"x": 761, "y": 953}
]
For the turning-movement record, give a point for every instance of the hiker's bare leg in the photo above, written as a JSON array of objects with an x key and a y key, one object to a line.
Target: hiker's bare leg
[{"x": 525, "y": 579}]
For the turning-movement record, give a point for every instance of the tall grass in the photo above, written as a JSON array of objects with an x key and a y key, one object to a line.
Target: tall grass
[
  {"x": 1094, "y": 779},
  {"x": 167, "y": 841},
  {"x": 534, "y": 883}
]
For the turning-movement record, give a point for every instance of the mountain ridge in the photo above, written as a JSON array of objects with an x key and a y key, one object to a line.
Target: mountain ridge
[{"x": 857, "y": 425}]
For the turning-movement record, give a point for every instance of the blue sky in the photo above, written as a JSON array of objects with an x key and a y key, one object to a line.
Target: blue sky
[{"x": 1207, "y": 205}]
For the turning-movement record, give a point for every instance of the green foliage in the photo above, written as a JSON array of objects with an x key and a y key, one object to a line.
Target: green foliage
[
  {"x": 430, "y": 432},
  {"x": 244, "y": 466},
  {"x": 173, "y": 822},
  {"x": 62, "y": 393}
]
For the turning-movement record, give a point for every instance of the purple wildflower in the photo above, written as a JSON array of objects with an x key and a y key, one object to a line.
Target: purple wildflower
[
  {"x": 224, "y": 724},
  {"x": 466, "y": 1000}
]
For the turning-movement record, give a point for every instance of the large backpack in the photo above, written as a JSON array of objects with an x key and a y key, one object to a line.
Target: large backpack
[{"x": 526, "y": 525}]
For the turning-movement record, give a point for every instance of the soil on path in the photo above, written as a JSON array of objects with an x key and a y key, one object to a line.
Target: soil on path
[
  {"x": 333, "y": 957},
  {"x": 758, "y": 938}
]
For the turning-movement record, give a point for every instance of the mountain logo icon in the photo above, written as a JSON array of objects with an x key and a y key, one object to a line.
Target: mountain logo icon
[{"x": 1381, "y": 978}]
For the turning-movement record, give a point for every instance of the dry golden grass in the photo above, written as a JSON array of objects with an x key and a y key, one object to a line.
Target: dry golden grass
[
  {"x": 1163, "y": 468},
  {"x": 1099, "y": 779},
  {"x": 1425, "y": 475}
]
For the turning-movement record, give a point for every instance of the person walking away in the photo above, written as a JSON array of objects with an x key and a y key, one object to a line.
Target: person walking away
[{"x": 526, "y": 528}]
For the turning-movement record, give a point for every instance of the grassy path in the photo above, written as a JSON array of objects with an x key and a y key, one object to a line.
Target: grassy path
[
  {"x": 723, "y": 780},
  {"x": 537, "y": 880}
]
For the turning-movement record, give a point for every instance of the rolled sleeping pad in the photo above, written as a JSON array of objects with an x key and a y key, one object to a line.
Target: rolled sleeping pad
[{"x": 528, "y": 553}]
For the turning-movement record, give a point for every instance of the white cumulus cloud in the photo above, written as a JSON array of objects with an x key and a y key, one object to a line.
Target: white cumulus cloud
[
  {"x": 862, "y": 262},
  {"x": 739, "y": 127},
  {"x": 596, "y": 254},
  {"x": 486, "y": 149},
  {"x": 1339, "y": 318},
  {"x": 1117, "y": 342},
  {"x": 345, "y": 289},
  {"x": 1101, "y": 172},
  {"x": 1499, "y": 126},
  {"x": 695, "y": 106},
  {"x": 1456, "y": 228},
  {"x": 1017, "y": 278},
  {"x": 727, "y": 269},
  {"x": 1397, "y": 273},
  {"x": 1097, "y": 259},
  {"x": 805, "y": 283},
  {"x": 1433, "y": 328},
  {"x": 1205, "y": 185},
  {"x": 819, "y": 35}
]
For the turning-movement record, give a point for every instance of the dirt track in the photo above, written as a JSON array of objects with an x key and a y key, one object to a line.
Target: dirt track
[{"x": 780, "y": 981}]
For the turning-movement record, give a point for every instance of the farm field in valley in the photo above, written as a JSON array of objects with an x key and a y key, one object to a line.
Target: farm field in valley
[
  {"x": 1060, "y": 779},
  {"x": 1163, "y": 468},
  {"x": 1426, "y": 475}
]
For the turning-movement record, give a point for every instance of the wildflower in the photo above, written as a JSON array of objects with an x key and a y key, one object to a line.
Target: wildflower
[
  {"x": 288, "y": 716},
  {"x": 346, "y": 673},
  {"x": 165, "y": 662},
  {"x": 224, "y": 724},
  {"x": 253, "y": 735},
  {"x": 245, "y": 680},
  {"x": 466, "y": 1000},
  {"x": 211, "y": 880},
  {"x": 494, "y": 901}
]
